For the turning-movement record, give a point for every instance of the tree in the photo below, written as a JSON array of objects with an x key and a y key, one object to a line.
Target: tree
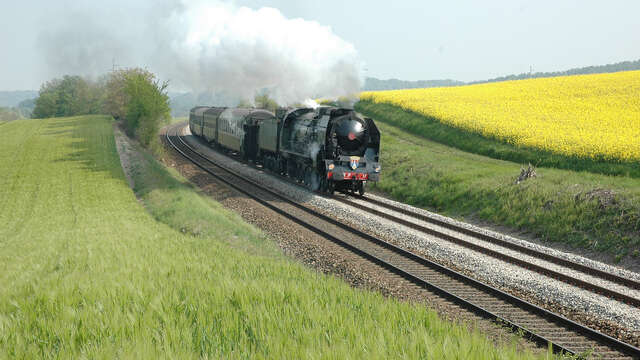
[
  {"x": 72, "y": 96},
  {"x": 115, "y": 97},
  {"x": 69, "y": 96},
  {"x": 46, "y": 103},
  {"x": 244, "y": 104},
  {"x": 26, "y": 107},
  {"x": 263, "y": 101},
  {"x": 146, "y": 104},
  {"x": 132, "y": 95}
]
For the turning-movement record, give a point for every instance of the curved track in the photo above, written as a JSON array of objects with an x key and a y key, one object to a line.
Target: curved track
[
  {"x": 478, "y": 238},
  {"x": 478, "y": 241},
  {"x": 535, "y": 322}
]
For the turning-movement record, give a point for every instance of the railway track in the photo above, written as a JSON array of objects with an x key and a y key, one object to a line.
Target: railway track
[
  {"x": 478, "y": 242},
  {"x": 477, "y": 238},
  {"x": 537, "y": 323}
]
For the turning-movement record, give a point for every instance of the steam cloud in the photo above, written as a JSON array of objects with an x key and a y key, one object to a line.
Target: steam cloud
[{"x": 214, "y": 47}]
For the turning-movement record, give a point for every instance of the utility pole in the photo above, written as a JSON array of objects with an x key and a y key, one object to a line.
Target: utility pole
[{"x": 114, "y": 66}]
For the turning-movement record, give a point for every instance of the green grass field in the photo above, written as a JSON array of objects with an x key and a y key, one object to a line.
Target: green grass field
[
  {"x": 559, "y": 205},
  {"x": 87, "y": 272}
]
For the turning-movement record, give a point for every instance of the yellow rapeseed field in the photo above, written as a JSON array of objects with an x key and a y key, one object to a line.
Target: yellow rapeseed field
[{"x": 593, "y": 116}]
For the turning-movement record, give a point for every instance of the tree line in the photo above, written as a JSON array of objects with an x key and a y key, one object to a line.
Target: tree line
[
  {"x": 598, "y": 69},
  {"x": 22, "y": 111},
  {"x": 134, "y": 96},
  {"x": 374, "y": 84}
]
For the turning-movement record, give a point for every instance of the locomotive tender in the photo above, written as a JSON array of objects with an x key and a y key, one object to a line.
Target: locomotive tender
[{"x": 326, "y": 148}]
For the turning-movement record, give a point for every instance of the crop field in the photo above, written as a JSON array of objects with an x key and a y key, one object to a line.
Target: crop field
[
  {"x": 594, "y": 117},
  {"x": 87, "y": 272}
]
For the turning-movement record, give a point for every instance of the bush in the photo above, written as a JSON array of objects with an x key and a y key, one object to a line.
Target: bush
[
  {"x": 115, "y": 97},
  {"x": 146, "y": 104},
  {"x": 138, "y": 98},
  {"x": 132, "y": 95}
]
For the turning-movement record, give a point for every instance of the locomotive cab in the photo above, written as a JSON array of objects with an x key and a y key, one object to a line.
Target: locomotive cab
[{"x": 251, "y": 127}]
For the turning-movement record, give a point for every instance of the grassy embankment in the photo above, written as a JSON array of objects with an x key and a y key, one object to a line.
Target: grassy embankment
[
  {"x": 178, "y": 119},
  {"x": 441, "y": 169},
  {"x": 85, "y": 271}
]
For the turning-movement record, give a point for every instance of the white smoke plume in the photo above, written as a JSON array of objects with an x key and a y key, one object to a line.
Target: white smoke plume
[
  {"x": 215, "y": 47},
  {"x": 311, "y": 103}
]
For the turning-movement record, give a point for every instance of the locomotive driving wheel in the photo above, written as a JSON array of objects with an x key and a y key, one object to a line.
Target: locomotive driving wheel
[
  {"x": 271, "y": 163},
  {"x": 307, "y": 177},
  {"x": 331, "y": 187},
  {"x": 361, "y": 186},
  {"x": 311, "y": 179},
  {"x": 292, "y": 170},
  {"x": 315, "y": 180}
]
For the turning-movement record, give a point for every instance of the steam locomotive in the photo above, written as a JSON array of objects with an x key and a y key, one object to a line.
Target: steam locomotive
[{"x": 326, "y": 148}]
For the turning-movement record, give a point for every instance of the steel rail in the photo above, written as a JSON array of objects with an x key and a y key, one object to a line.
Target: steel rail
[
  {"x": 534, "y": 309},
  {"x": 502, "y": 256},
  {"x": 631, "y": 283}
]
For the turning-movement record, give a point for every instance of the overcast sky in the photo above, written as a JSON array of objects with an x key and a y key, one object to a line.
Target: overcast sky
[{"x": 410, "y": 39}]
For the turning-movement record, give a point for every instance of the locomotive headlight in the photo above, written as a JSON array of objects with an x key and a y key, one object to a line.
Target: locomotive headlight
[
  {"x": 377, "y": 169},
  {"x": 331, "y": 166}
]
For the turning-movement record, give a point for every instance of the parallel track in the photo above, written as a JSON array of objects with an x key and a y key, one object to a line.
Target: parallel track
[
  {"x": 557, "y": 275},
  {"x": 630, "y": 283},
  {"x": 535, "y": 322}
]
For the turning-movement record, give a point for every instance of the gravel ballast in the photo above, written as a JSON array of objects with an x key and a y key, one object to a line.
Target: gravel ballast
[
  {"x": 608, "y": 315},
  {"x": 514, "y": 253},
  {"x": 316, "y": 252}
]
